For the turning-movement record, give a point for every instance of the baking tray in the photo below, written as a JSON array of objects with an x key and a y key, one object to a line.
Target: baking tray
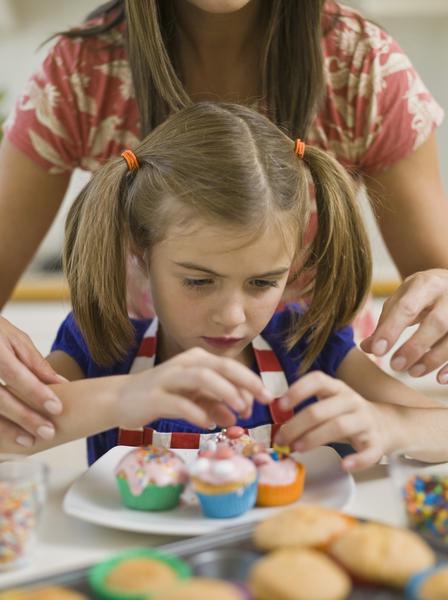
[{"x": 227, "y": 554}]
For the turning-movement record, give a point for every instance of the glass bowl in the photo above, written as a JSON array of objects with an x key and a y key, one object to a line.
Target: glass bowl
[
  {"x": 422, "y": 489},
  {"x": 23, "y": 485}
]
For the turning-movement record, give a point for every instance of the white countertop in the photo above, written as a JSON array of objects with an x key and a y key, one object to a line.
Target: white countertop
[{"x": 66, "y": 543}]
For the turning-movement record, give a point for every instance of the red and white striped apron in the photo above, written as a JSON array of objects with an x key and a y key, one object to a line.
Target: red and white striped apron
[{"x": 271, "y": 374}]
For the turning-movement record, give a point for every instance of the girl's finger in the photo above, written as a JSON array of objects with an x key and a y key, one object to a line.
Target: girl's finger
[
  {"x": 233, "y": 371},
  {"x": 28, "y": 421},
  {"x": 363, "y": 459},
  {"x": 315, "y": 383},
  {"x": 198, "y": 379},
  {"x": 339, "y": 429},
  {"x": 313, "y": 416}
]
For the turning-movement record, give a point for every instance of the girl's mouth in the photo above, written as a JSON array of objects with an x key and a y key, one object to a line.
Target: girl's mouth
[{"x": 222, "y": 342}]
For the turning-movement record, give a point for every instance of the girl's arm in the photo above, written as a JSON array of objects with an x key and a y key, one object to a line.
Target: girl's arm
[
  {"x": 196, "y": 386},
  {"x": 375, "y": 413}
]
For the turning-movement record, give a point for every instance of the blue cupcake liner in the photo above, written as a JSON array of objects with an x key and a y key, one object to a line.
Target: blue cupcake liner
[
  {"x": 231, "y": 504},
  {"x": 412, "y": 590}
]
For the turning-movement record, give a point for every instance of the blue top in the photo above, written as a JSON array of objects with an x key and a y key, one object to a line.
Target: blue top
[{"x": 70, "y": 340}]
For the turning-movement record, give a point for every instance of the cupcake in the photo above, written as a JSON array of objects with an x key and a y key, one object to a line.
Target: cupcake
[
  {"x": 429, "y": 585},
  {"x": 280, "y": 481},
  {"x": 234, "y": 437},
  {"x": 303, "y": 526},
  {"x": 198, "y": 588},
  {"x": 382, "y": 554},
  {"x": 300, "y": 574},
  {"x": 43, "y": 593},
  {"x": 225, "y": 482},
  {"x": 151, "y": 478},
  {"x": 136, "y": 575}
]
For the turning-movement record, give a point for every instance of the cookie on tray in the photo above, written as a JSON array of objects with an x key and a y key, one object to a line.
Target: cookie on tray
[
  {"x": 298, "y": 574},
  {"x": 305, "y": 525},
  {"x": 382, "y": 554},
  {"x": 202, "y": 588},
  {"x": 43, "y": 593},
  {"x": 136, "y": 574},
  {"x": 429, "y": 585}
]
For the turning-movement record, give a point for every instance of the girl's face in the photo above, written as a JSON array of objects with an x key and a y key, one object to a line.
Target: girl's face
[{"x": 215, "y": 288}]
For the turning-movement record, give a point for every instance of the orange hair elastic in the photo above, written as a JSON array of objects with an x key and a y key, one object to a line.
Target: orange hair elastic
[
  {"x": 131, "y": 160},
  {"x": 299, "y": 148}
]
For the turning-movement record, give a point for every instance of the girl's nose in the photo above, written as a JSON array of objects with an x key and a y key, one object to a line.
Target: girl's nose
[{"x": 229, "y": 314}]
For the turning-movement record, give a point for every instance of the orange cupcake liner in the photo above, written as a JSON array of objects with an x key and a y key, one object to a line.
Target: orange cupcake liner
[{"x": 277, "y": 495}]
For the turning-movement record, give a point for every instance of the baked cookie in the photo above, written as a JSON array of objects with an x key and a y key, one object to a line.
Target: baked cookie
[
  {"x": 198, "y": 588},
  {"x": 305, "y": 525},
  {"x": 429, "y": 585},
  {"x": 298, "y": 574},
  {"x": 382, "y": 554}
]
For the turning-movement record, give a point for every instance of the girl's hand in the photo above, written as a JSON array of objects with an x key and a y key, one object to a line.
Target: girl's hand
[
  {"x": 25, "y": 400},
  {"x": 340, "y": 415},
  {"x": 199, "y": 387},
  {"x": 422, "y": 298}
]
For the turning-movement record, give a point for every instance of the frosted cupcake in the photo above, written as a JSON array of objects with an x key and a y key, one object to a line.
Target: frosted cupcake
[
  {"x": 225, "y": 482},
  {"x": 151, "y": 478},
  {"x": 234, "y": 437},
  {"x": 280, "y": 481}
]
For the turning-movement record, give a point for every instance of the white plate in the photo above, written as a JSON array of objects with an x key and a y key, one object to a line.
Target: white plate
[{"x": 95, "y": 497}]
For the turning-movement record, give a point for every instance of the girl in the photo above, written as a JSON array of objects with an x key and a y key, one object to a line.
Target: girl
[
  {"x": 316, "y": 68},
  {"x": 214, "y": 203}
]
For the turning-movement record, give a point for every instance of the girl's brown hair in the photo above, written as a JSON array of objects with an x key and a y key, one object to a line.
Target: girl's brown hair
[
  {"x": 227, "y": 164},
  {"x": 291, "y": 63}
]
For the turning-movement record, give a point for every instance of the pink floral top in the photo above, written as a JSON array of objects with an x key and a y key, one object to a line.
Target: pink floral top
[{"x": 79, "y": 109}]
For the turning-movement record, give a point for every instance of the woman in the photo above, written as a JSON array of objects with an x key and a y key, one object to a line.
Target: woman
[{"x": 320, "y": 71}]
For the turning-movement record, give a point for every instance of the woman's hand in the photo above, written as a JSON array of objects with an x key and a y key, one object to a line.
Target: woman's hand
[
  {"x": 340, "y": 415},
  {"x": 25, "y": 400},
  {"x": 199, "y": 387},
  {"x": 421, "y": 299}
]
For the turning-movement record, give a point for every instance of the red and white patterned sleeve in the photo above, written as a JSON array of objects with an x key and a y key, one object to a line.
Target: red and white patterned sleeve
[
  {"x": 50, "y": 119},
  {"x": 377, "y": 109}
]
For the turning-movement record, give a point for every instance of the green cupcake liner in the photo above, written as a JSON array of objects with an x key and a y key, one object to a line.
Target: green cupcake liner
[
  {"x": 98, "y": 573},
  {"x": 153, "y": 497}
]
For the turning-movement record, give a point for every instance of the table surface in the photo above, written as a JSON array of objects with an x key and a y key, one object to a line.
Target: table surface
[{"x": 66, "y": 543}]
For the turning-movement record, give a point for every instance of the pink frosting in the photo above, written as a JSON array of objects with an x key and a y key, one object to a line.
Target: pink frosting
[
  {"x": 275, "y": 472},
  {"x": 222, "y": 467},
  {"x": 149, "y": 464}
]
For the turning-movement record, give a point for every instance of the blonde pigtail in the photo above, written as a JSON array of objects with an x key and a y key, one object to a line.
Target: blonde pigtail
[
  {"x": 95, "y": 263},
  {"x": 339, "y": 256}
]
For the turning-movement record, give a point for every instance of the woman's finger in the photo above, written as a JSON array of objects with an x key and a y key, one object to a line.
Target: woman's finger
[
  {"x": 405, "y": 307},
  {"x": 18, "y": 413},
  {"x": 14, "y": 437},
  {"x": 418, "y": 355},
  {"x": 362, "y": 459}
]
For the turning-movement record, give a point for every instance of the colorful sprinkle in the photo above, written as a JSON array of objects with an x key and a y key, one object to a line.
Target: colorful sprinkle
[{"x": 426, "y": 502}]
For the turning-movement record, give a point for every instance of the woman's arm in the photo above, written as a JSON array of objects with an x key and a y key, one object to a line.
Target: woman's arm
[
  {"x": 412, "y": 211},
  {"x": 29, "y": 201},
  {"x": 196, "y": 386}
]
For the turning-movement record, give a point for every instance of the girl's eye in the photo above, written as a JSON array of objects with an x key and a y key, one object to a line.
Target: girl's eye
[
  {"x": 264, "y": 283},
  {"x": 197, "y": 283}
]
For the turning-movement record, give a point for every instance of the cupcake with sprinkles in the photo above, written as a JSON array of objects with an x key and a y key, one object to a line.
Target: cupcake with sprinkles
[
  {"x": 151, "y": 478},
  {"x": 225, "y": 482},
  {"x": 280, "y": 477}
]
